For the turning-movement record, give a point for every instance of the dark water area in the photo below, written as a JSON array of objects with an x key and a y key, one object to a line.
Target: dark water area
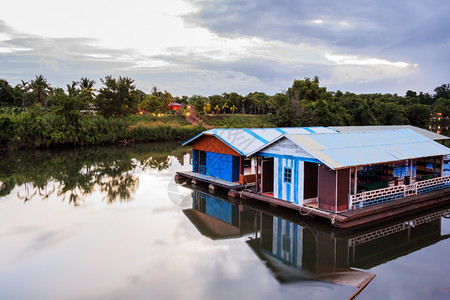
[{"x": 111, "y": 223}]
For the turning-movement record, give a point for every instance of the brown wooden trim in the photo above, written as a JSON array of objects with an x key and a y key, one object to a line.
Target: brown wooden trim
[{"x": 211, "y": 143}]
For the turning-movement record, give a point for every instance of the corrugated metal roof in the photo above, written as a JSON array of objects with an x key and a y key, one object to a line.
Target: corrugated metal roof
[
  {"x": 247, "y": 140},
  {"x": 363, "y": 148},
  {"x": 429, "y": 134}
]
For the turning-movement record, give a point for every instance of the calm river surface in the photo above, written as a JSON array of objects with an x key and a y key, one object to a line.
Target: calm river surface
[{"x": 111, "y": 223}]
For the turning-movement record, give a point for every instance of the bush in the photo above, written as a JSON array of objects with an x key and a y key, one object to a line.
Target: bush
[
  {"x": 37, "y": 127},
  {"x": 145, "y": 133}
]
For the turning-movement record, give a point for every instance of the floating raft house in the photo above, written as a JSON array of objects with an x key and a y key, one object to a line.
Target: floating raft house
[{"x": 350, "y": 175}]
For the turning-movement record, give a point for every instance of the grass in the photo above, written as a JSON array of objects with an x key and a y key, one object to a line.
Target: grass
[
  {"x": 150, "y": 119},
  {"x": 238, "y": 121}
]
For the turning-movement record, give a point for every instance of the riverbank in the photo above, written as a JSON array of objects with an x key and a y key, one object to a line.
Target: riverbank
[{"x": 39, "y": 128}]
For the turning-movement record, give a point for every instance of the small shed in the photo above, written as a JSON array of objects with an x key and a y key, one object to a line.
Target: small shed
[{"x": 174, "y": 106}]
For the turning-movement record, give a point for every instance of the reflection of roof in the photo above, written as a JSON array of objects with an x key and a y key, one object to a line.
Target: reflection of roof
[
  {"x": 429, "y": 134},
  {"x": 211, "y": 227},
  {"x": 246, "y": 140},
  {"x": 364, "y": 148},
  {"x": 174, "y": 104}
]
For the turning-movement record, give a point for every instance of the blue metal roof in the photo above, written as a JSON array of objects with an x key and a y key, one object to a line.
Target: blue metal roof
[
  {"x": 364, "y": 148},
  {"x": 247, "y": 140}
]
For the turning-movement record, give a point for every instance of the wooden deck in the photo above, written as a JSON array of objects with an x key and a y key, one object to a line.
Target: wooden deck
[
  {"x": 390, "y": 209},
  {"x": 213, "y": 180},
  {"x": 348, "y": 219},
  {"x": 363, "y": 216}
]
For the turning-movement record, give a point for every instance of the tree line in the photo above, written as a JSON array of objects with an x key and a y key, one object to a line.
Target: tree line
[{"x": 305, "y": 103}]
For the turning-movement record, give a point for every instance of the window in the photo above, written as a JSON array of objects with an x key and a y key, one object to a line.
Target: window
[{"x": 287, "y": 175}]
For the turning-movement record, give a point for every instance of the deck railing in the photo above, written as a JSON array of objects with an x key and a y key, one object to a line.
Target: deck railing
[{"x": 396, "y": 192}]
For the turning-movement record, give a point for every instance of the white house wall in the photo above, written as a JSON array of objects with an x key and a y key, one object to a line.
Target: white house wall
[
  {"x": 292, "y": 192},
  {"x": 286, "y": 147}
]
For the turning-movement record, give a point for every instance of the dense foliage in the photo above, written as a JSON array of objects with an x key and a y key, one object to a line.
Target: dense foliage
[{"x": 35, "y": 114}]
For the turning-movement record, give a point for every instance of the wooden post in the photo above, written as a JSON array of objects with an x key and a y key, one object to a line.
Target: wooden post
[
  {"x": 387, "y": 174},
  {"x": 355, "y": 183},
  {"x": 434, "y": 167},
  {"x": 256, "y": 175}
]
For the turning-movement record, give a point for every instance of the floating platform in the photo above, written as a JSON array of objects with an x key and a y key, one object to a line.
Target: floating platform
[
  {"x": 345, "y": 219},
  {"x": 363, "y": 216},
  {"x": 213, "y": 182}
]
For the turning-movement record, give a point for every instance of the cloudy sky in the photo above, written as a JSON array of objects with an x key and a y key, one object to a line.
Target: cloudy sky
[{"x": 213, "y": 46}]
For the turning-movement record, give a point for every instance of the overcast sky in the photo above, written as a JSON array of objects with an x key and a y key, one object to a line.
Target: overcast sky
[{"x": 209, "y": 47}]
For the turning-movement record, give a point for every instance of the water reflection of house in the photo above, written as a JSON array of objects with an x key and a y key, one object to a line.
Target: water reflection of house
[
  {"x": 306, "y": 252},
  {"x": 298, "y": 248},
  {"x": 217, "y": 218}
]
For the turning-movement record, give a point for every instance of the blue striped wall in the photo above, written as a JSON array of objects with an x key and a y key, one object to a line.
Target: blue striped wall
[{"x": 292, "y": 192}]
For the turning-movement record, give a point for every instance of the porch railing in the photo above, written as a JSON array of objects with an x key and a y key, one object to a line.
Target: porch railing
[{"x": 396, "y": 192}]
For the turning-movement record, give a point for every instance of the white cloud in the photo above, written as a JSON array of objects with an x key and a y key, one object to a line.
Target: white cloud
[
  {"x": 364, "y": 61},
  {"x": 6, "y": 50},
  {"x": 148, "y": 27}
]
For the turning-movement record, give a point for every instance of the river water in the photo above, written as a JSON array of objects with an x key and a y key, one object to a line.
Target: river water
[{"x": 111, "y": 223}]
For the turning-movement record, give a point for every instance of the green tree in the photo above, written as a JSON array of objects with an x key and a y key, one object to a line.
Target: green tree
[
  {"x": 117, "y": 98},
  {"x": 150, "y": 104},
  {"x": 390, "y": 113},
  {"x": 41, "y": 88},
  {"x": 225, "y": 108},
  {"x": 258, "y": 101},
  {"x": 233, "y": 99},
  {"x": 277, "y": 101},
  {"x": 23, "y": 88},
  {"x": 442, "y": 106},
  {"x": 442, "y": 91},
  {"x": 6, "y": 93},
  {"x": 284, "y": 117},
  {"x": 306, "y": 89},
  {"x": 198, "y": 102},
  {"x": 87, "y": 91},
  {"x": 418, "y": 114},
  {"x": 68, "y": 107}
]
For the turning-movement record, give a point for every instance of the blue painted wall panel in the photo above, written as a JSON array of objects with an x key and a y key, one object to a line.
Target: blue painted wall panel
[
  {"x": 235, "y": 170},
  {"x": 219, "y": 165},
  {"x": 195, "y": 160}
]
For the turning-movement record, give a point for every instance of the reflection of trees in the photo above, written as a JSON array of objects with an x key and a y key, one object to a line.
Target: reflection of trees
[
  {"x": 119, "y": 188},
  {"x": 27, "y": 195},
  {"x": 159, "y": 163},
  {"x": 73, "y": 175}
]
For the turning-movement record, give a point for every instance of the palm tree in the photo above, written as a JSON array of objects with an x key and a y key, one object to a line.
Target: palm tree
[
  {"x": 24, "y": 86},
  {"x": 224, "y": 107},
  {"x": 87, "y": 89},
  {"x": 41, "y": 88}
]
